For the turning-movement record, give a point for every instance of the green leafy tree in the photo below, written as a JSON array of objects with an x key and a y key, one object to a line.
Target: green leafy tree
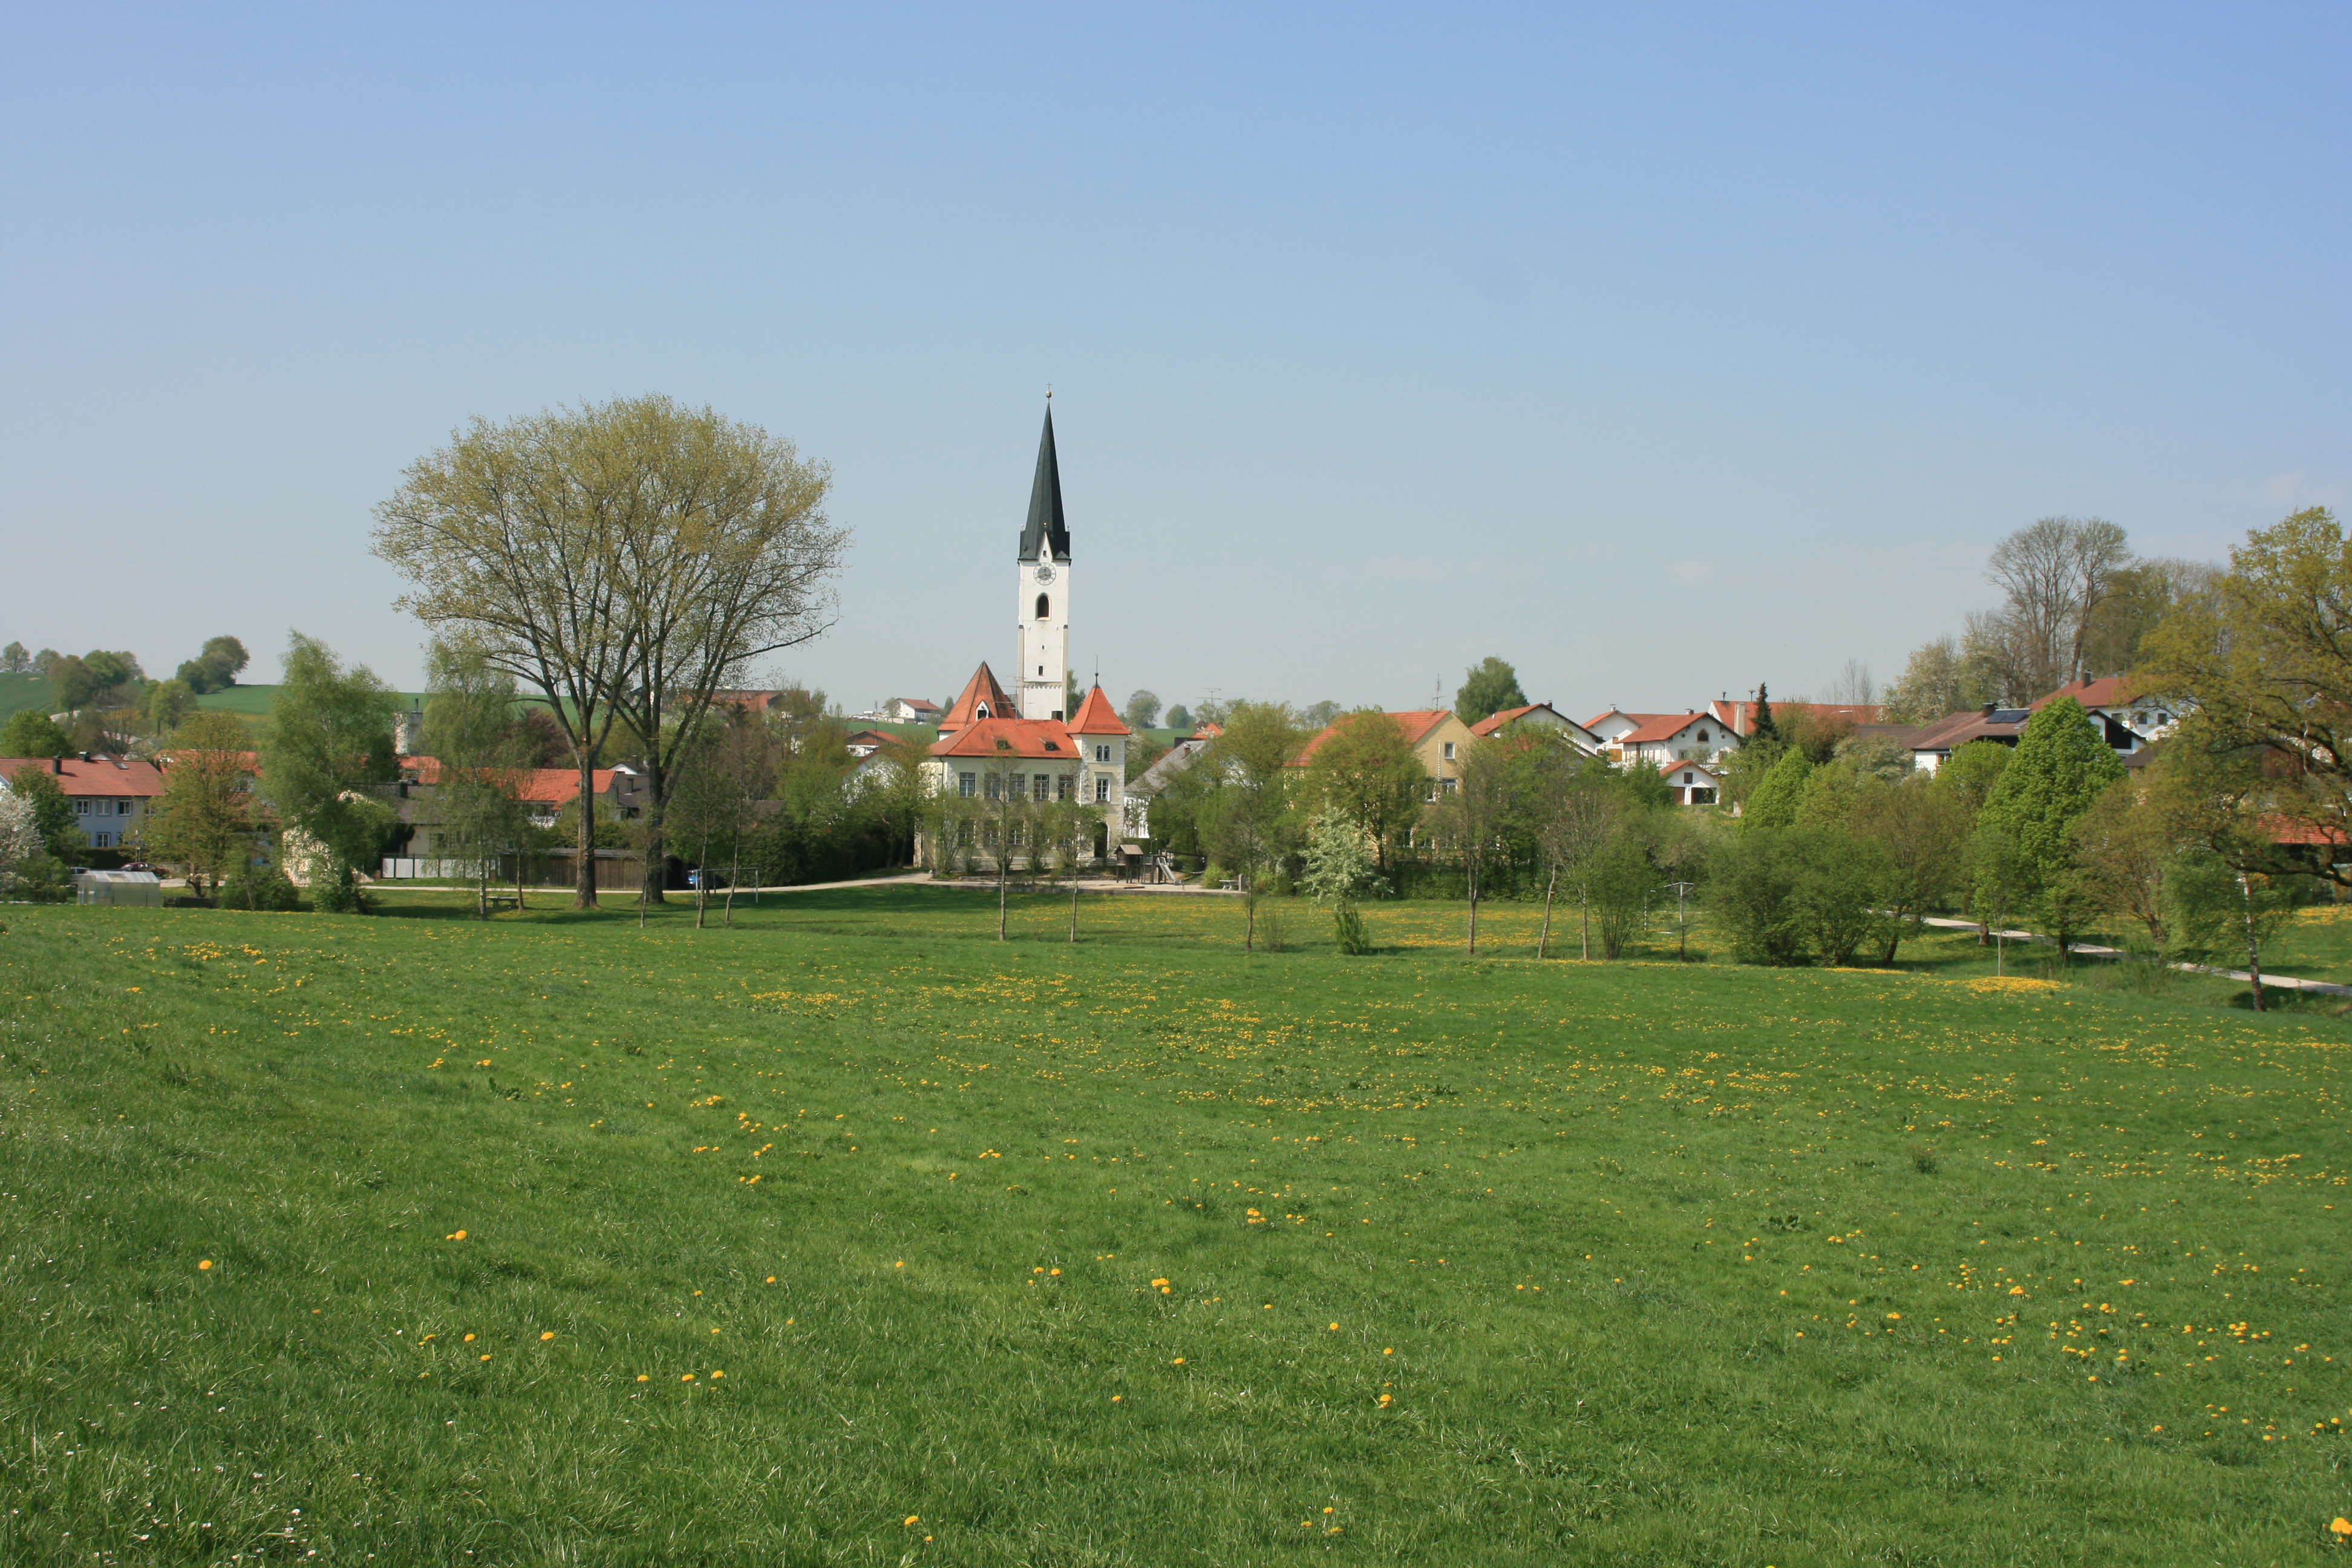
[
  {"x": 1248, "y": 818},
  {"x": 53, "y": 814},
  {"x": 626, "y": 560},
  {"x": 30, "y": 732},
  {"x": 167, "y": 703},
  {"x": 1618, "y": 878},
  {"x": 1475, "y": 817},
  {"x": 216, "y": 667},
  {"x": 2061, "y": 765},
  {"x": 1180, "y": 718},
  {"x": 485, "y": 758},
  {"x": 1489, "y": 687},
  {"x": 1364, "y": 768},
  {"x": 327, "y": 741},
  {"x": 1570, "y": 809},
  {"x": 15, "y": 660},
  {"x": 1920, "y": 835},
  {"x": 204, "y": 820},
  {"x": 1776, "y": 799},
  {"x": 1143, "y": 709},
  {"x": 1970, "y": 772}
]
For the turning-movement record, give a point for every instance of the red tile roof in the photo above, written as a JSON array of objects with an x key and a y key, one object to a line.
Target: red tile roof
[
  {"x": 1494, "y": 722},
  {"x": 1416, "y": 723},
  {"x": 548, "y": 786},
  {"x": 1033, "y": 738},
  {"x": 1095, "y": 717},
  {"x": 2107, "y": 692},
  {"x": 1741, "y": 716},
  {"x": 1666, "y": 726},
  {"x": 130, "y": 778},
  {"x": 980, "y": 689}
]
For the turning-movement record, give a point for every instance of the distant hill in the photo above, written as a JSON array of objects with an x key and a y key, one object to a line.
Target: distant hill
[
  {"x": 21, "y": 691},
  {"x": 253, "y": 701}
]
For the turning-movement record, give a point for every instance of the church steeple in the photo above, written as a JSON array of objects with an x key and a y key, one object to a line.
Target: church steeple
[{"x": 1047, "y": 535}]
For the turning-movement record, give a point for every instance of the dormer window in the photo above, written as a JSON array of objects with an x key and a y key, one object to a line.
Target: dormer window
[
  {"x": 981, "y": 710},
  {"x": 1053, "y": 745}
]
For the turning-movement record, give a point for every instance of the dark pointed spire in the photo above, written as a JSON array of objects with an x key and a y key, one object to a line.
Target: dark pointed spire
[{"x": 1047, "y": 533}]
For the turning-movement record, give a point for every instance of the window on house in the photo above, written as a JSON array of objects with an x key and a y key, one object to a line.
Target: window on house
[
  {"x": 1053, "y": 746},
  {"x": 1449, "y": 751},
  {"x": 1687, "y": 778},
  {"x": 122, "y": 808},
  {"x": 1044, "y": 608},
  {"x": 1062, "y": 787},
  {"x": 101, "y": 840},
  {"x": 1102, "y": 791},
  {"x": 81, "y": 808},
  {"x": 1037, "y": 787},
  {"x": 964, "y": 782},
  {"x": 995, "y": 786},
  {"x": 1445, "y": 786},
  {"x": 1702, "y": 796},
  {"x": 1102, "y": 753},
  {"x": 1702, "y": 737}
]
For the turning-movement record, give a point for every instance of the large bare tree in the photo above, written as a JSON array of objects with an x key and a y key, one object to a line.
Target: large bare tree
[
  {"x": 625, "y": 561},
  {"x": 2055, "y": 574}
]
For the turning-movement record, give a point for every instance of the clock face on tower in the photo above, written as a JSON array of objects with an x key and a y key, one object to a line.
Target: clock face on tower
[{"x": 1045, "y": 571}]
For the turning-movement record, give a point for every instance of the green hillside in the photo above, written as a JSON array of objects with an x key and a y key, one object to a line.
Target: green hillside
[
  {"x": 18, "y": 692},
  {"x": 853, "y": 1236},
  {"x": 254, "y": 701}
]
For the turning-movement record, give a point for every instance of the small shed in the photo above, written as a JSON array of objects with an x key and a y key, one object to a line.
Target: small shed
[{"x": 120, "y": 889}]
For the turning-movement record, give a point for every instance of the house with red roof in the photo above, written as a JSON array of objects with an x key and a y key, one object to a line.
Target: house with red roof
[
  {"x": 112, "y": 796},
  {"x": 1695, "y": 733},
  {"x": 1539, "y": 715},
  {"x": 1438, "y": 738}
]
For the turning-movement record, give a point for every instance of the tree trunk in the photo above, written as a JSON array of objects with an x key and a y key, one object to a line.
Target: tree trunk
[
  {"x": 1543, "y": 938},
  {"x": 1584, "y": 923},
  {"x": 1003, "y": 860},
  {"x": 657, "y": 867},
  {"x": 583, "y": 883},
  {"x": 1472, "y": 951},
  {"x": 1073, "y": 894},
  {"x": 701, "y": 882},
  {"x": 734, "y": 856},
  {"x": 2254, "y": 948}
]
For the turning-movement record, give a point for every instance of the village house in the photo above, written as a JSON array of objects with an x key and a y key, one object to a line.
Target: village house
[
  {"x": 1542, "y": 716},
  {"x": 112, "y": 796}
]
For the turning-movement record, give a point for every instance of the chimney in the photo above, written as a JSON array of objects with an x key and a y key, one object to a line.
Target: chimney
[
  {"x": 1989, "y": 708},
  {"x": 85, "y": 757},
  {"x": 57, "y": 766}
]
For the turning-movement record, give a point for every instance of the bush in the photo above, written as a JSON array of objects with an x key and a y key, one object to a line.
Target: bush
[
  {"x": 1798, "y": 895},
  {"x": 259, "y": 888}
]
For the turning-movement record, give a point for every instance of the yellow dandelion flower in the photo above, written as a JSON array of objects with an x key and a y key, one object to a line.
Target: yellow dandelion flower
[
  {"x": 203, "y": 1264},
  {"x": 1177, "y": 1361},
  {"x": 687, "y": 1378},
  {"x": 644, "y": 1378},
  {"x": 468, "y": 1340},
  {"x": 914, "y": 1519},
  {"x": 543, "y": 1338}
]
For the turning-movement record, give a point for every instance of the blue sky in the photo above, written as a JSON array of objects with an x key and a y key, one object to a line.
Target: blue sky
[{"x": 1659, "y": 349}]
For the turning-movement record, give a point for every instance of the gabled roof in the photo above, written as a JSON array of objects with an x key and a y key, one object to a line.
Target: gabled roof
[
  {"x": 125, "y": 777},
  {"x": 1709, "y": 769},
  {"x": 1494, "y": 722},
  {"x": 1416, "y": 723},
  {"x": 2107, "y": 692},
  {"x": 1741, "y": 716},
  {"x": 1665, "y": 727},
  {"x": 540, "y": 786},
  {"x": 980, "y": 689},
  {"x": 1046, "y": 531},
  {"x": 1095, "y": 718},
  {"x": 1957, "y": 729},
  {"x": 919, "y": 704},
  {"x": 1032, "y": 737}
]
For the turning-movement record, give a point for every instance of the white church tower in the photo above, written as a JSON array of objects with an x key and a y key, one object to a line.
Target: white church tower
[{"x": 1043, "y": 592}]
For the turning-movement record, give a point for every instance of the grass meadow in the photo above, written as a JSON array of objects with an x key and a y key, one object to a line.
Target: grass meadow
[{"x": 852, "y": 1236}]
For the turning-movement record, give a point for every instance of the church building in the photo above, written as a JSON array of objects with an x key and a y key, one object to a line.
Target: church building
[{"x": 994, "y": 746}]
